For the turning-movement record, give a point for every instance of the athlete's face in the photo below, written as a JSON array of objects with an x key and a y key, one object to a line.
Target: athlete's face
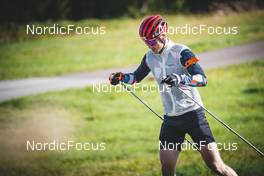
[{"x": 155, "y": 45}]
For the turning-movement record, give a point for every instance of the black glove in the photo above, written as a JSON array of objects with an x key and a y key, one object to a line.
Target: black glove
[
  {"x": 172, "y": 79},
  {"x": 115, "y": 78}
]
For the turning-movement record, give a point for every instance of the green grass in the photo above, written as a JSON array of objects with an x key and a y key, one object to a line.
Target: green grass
[
  {"x": 129, "y": 130},
  {"x": 119, "y": 47}
]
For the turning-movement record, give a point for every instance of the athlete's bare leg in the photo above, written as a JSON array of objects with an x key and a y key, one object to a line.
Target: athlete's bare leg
[
  {"x": 168, "y": 159},
  {"x": 213, "y": 160}
]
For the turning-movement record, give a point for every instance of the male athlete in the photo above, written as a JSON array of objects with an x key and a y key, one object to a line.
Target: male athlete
[{"x": 173, "y": 66}]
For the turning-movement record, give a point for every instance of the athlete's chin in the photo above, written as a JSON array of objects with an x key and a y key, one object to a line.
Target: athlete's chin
[{"x": 155, "y": 51}]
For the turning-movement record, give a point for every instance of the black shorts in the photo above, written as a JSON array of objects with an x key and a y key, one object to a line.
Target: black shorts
[{"x": 174, "y": 128}]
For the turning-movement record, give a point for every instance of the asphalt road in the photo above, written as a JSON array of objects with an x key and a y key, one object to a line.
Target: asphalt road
[{"x": 12, "y": 89}]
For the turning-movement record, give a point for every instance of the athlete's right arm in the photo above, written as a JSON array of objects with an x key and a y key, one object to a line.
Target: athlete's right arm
[
  {"x": 139, "y": 74},
  {"x": 130, "y": 78}
]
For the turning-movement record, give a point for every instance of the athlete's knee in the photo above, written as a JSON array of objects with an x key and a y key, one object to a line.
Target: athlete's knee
[
  {"x": 167, "y": 171},
  {"x": 168, "y": 167},
  {"x": 217, "y": 167}
]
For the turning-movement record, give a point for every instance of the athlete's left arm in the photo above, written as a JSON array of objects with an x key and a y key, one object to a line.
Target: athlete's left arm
[{"x": 189, "y": 61}]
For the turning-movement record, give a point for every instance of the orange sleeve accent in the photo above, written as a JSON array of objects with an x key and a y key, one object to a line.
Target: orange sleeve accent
[{"x": 191, "y": 61}]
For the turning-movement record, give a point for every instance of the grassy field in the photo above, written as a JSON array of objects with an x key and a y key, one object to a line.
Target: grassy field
[
  {"x": 120, "y": 46},
  {"x": 130, "y": 132}
]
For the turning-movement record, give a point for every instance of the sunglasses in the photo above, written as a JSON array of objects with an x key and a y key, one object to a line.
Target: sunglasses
[{"x": 150, "y": 42}]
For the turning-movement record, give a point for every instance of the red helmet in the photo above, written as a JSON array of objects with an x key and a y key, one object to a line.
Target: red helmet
[{"x": 152, "y": 27}]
